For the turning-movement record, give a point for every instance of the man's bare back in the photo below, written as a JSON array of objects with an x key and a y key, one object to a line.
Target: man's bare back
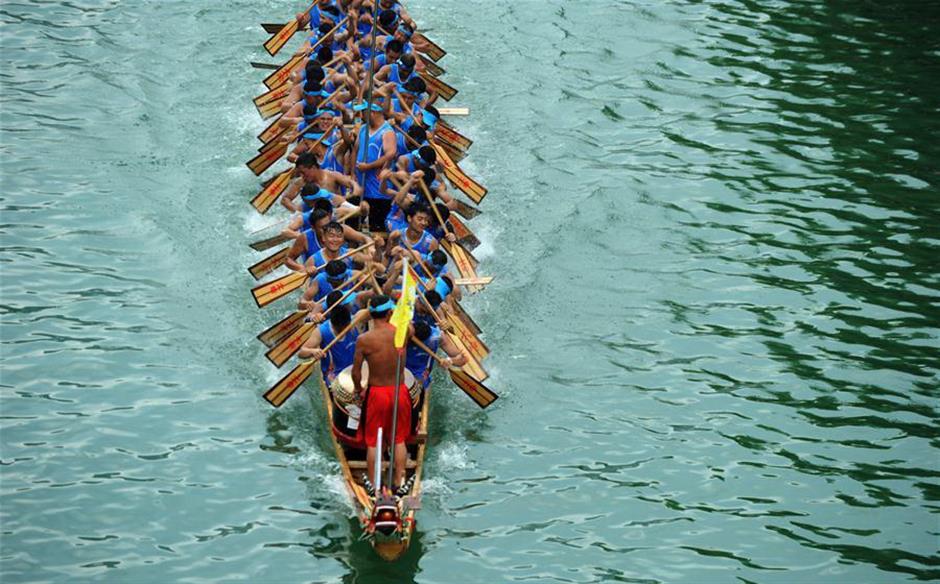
[{"x": 377, "y": 347}]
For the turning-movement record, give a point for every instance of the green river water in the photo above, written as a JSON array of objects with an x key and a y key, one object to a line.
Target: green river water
[{"x": 715, "y": 325}]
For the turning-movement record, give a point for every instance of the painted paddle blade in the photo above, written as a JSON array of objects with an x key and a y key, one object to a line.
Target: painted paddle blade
[
  {"x": 270, "y": 193},
  {"x": 273, "y": 95},
  {"x": 455, "y": 154},
  {"x": 269, "y": 292},
  {"x": 281, "y": 76},
  {"x": 466, "y": 318},
  {"x": 272, "y": 28},
  {"x": 265, "y": 160},
  {"x": 476, "y": 347},
  {"x": 456, "y": 176},
  {"x": 473, "y": 367},
  {"x": 288, "y": 384},
  {"x": 268, "y": 264},
  {"x": 288, "y": 347},
  {"x": 437, "y": 86},
  {"x": 280, "y": 38},
  {"x": 463, "y": 234},
  {"x": 448, "y": 133},
  {"x": 479, "y": 393},
  {"x": 276, "y": 141},
  {"x": 269, "y": 243},
  {"x": 273, "y": 129},
  {"x": 275, "y": 333}
]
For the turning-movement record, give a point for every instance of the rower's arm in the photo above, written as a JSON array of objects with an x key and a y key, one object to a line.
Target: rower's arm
[
  {"x": 311, "y": 348},
  {"x": 453, "y": 352},
  {"x": 306, "y": 300},
  {"x": 298, "y": 247},
  {"x": 287, "y": 199},
  {"x": 293, "y": 227},
  {"x": 350, "y": 234}
]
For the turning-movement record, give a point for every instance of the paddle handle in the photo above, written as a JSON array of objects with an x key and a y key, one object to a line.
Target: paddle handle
[
  {"x": 428, "y": 350},
  {"x": 427, "y": 195},
  {"x": 344, "y": 256}
]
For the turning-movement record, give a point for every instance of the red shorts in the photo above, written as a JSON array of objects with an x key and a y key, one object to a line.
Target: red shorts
[{"x": 379, "y": 407}]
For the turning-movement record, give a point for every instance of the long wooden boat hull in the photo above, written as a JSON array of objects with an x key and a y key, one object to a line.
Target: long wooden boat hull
[{"x": 351, "y": 455}]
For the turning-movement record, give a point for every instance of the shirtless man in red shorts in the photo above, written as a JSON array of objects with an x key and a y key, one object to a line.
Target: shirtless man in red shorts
[{"x": 377, "y": 347}]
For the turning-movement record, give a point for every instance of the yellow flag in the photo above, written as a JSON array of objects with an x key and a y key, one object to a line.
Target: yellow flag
[{"x": 405, "y": 309}]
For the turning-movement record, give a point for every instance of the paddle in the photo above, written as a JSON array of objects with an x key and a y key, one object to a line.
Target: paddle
[
  {"x": 479, "y": 393},
  {"x": 269, "y": 292},
  {"x": 464, "y": 235},
  {"x": 288, "y": 384},
  {"x": 437, "y": 86},
  {"x": 283, "y": 73},
  {"x": 280, "y": 38},
  {"x": 467, "y": 185},
  {"x": 257, "y": 65},
  {"x": 270, "y": 193},
  {"x": 284, "y": 350},
  {"x": 285, "y": 326},
  {"x": 269, "y": 264}
]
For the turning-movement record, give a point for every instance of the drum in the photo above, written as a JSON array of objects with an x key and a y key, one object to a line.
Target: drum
[{"x": 344, "y": 393}]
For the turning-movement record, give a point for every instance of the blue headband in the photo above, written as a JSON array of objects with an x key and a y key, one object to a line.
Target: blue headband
[
  {"x": 344, "y": 276},
  {"x": 321, "y": 93},
  {"x": 361, "y": 106},
  {"x": 389, "y": 305}
]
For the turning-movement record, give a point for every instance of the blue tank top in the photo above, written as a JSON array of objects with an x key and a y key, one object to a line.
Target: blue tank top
[
  {"x": 369, "y": 179},
  {"x": 320, "y": 261},
  {"x": 394, "y": 76},
  {"x": 424, "y": 242},
  {"x": 323, "y": 286},
  {"x": 313, "y": 245},
  {"x": 340, "y": 355}
]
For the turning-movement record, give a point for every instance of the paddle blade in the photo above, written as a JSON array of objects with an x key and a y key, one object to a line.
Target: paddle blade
[
  {"x": 257, "y": 65},
  {"x": 272, "y": 28},
  {"x": 273, "y": 95},
  {"x": 288, "y": 384},
  {"x": 430, "y": 66},
  {"x": 269, "y": 243},
  {"x": 269, "y": 292},
  {"x": 281, "y": 76},
  {"x": 467, "y": 211},
  {"x": 472, "y": 366},
  {"x": 269, "y": 194},
  {"x": 280, "y": 38},
  {"x": 268, "y": 264},
  {"x": 447, "y": 132},
  {"x": 456, "y": 176},
  {"x": 288, "y": 347},
  {"x": 463, "y": 234},
  {"x": 272, "y": 335},
  {"x": 436, "y": 85},
  {"x": 434, "y": 50},
  {"x": 479, "y": 393},
  {"x": 476, "y": 347},
  {"x": 465, "y": 318},
  {"x": 264, "y": 160}
]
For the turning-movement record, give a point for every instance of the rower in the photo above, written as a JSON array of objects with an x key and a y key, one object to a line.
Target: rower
[
  {"x": 420, "y": 363},
  {"x": 309, "y": 170},
  {"x": 377, "y": 348},
  {"x": 340, "y": 355},
  {"x": 307, "y": 241},
  {"x": 332, "y": 277},
  {"x": 415, "y": 236},
  {"x": 371, "y": 158},
  {"x": 425, "y": 155}
]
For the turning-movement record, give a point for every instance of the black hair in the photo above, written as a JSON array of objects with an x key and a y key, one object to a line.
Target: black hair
[
  {"x": 324, "y": 55},
  {"x": 335, "y": 269},
  {"x": 394, "y": 45},
  {"x": 416, "y": 84},
  {"x": 427, "y": 154},
  {"x": 438, "y": 258},
  {"x": 387, "y": 18},
  {"x": 318, "y": 215},
  {"x": 418, "y": 134},
  {"x": 448, "y": 280},
  {"x": 417, "y": 208},
  {"x": 306, "y": 160},
  {"x": 310, "y": 110},
  {"x": 315, "y": 71},
  {"x": 339, "y": 316},
  {"x": 325, "y": 205},
  {"x": 422, "y": 331},
  {"x": 310, "y": 189},
  {"x": 324, "y": 28},
  {"x": 433, "y": 298},
  {"x": 429, "y": 175},
  {"x": 375, "y": 303},
  {"x": 333, "y": 227},
  {"x": 443, "y": 211},
  {"x": 407, "y": 61}
]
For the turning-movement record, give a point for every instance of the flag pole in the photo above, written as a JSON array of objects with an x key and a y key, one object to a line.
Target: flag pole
[{"x": 400, "y": 351}]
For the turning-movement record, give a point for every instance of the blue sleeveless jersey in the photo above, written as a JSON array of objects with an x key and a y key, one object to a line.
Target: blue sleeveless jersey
[
  {"x": 340, "y": 355},
  {"x": 419, "y": 362},
  {"x": 369, "y": 179},
  {"x": 313, "y": 245},
  {"x": 423, "y": 246},
  {"x": 319, "y": 260}
]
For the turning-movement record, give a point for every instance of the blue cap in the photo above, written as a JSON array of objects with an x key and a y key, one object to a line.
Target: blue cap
[{"x": 389, "y": 305}]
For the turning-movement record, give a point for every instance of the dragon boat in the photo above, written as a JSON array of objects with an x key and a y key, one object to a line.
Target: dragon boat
[{"x": 388, "y": 519}]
